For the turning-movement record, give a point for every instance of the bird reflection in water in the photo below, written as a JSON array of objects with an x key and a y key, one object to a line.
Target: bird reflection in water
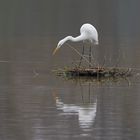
[{"x": 86, "y": 111}]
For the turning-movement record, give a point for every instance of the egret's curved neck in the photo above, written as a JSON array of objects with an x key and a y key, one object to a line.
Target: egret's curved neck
[
  {"x": 70, "y": 38},
  {"x": 73, "y": 39},
  {"x": 77, "y": 39}
]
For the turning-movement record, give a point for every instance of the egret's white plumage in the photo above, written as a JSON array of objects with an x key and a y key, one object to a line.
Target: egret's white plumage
[{"x": 88, "y": 33}]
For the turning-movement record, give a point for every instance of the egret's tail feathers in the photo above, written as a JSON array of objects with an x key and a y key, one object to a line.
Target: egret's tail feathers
[{"x": 97, "y": 43}]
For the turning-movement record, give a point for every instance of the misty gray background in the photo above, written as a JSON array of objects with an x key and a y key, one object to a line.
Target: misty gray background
[
  {"x": 51, "y": 17},
  {"x": 30, "y": 93}
]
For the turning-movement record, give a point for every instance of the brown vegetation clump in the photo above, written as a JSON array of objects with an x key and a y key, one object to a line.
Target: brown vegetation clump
[{"x": 95, "y": 72}]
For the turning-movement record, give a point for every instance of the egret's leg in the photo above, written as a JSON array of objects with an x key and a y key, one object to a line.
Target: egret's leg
[
  {"x": 82, "y": 56},
  {"x": 90, "y": 54}
]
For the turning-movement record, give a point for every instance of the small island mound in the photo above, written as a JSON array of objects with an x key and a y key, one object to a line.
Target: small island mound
[{"x": 95, "y": 72}]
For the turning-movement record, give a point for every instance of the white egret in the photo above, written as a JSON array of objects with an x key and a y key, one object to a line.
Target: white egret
[{"x": 88, "y": 34}]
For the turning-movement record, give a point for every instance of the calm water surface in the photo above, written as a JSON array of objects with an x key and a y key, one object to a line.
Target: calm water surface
[{"x": 35, "y": 104}]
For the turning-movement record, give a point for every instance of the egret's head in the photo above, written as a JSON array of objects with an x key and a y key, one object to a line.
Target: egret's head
[
  {"x": 60, "y": 43},
  {"x": 57, "y": 48}
]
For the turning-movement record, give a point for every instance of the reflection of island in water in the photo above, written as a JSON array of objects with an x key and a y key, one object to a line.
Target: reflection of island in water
[
  {"x": 101, "y": 80},
  {"x": 86, "y": 112}
]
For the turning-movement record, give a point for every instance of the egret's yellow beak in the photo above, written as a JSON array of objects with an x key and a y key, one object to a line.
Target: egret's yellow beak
[{"x": 56, "y": 49}]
